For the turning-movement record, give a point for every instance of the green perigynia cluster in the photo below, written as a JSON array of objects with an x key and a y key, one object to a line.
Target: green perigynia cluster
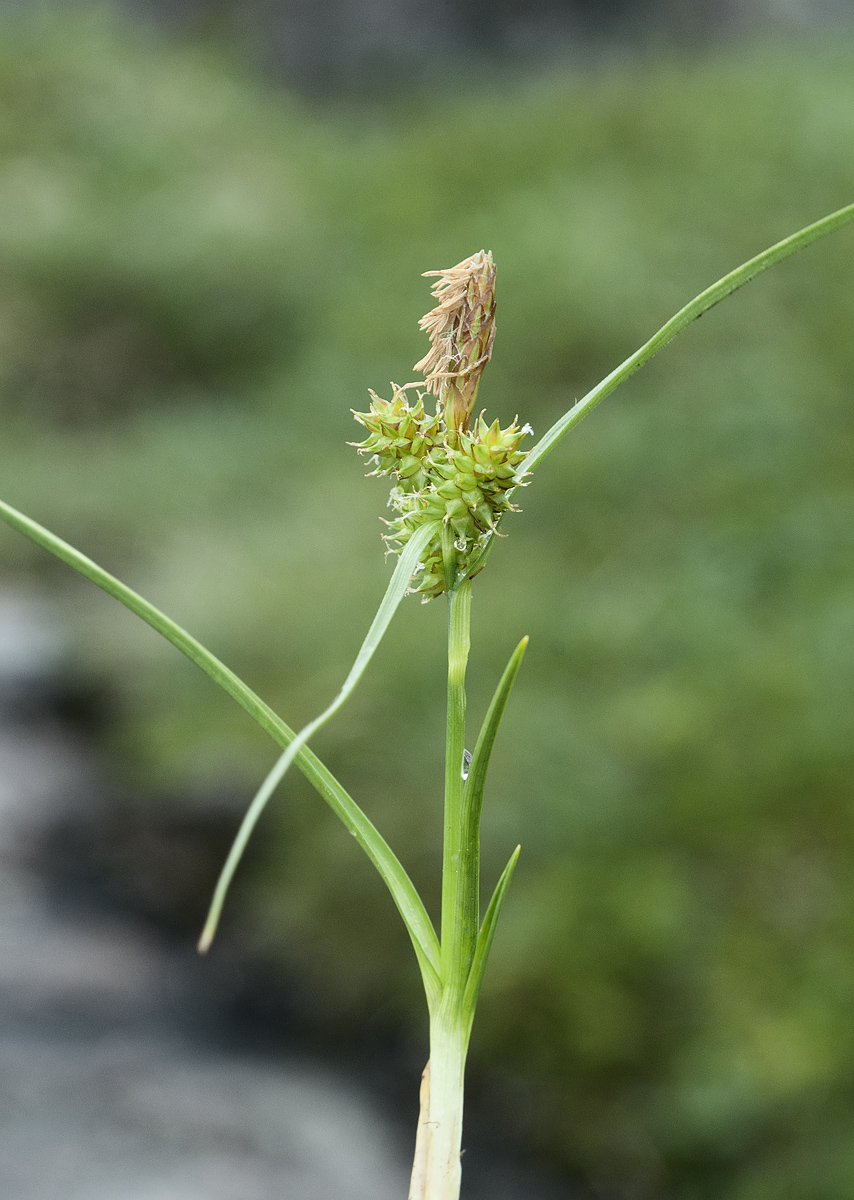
[{"x": 444, "y": 468}]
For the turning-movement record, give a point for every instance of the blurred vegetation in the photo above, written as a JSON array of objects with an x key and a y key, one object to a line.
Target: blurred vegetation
[{"x": 200, "y": 276}]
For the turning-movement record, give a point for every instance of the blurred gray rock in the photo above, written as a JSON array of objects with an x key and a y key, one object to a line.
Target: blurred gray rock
[
  {"x": 131, "y": 1118},
  {"x": 31, "y": 647},
  {"x": 101, "y": 1098}
]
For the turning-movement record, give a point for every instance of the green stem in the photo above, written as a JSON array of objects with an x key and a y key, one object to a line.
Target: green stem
[
  {"x": 436, "y": 1171},
  {"x": 460, "y": 861}
]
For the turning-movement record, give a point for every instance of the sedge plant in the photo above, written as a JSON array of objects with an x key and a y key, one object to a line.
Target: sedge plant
[{"x": 453, "y": 477}]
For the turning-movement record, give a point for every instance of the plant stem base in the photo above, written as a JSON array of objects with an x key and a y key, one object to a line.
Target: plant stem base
[{"x": 436, "y": 1170}]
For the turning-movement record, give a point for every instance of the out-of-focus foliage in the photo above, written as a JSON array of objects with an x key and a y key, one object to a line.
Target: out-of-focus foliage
[{"x": 200, "y": 276}]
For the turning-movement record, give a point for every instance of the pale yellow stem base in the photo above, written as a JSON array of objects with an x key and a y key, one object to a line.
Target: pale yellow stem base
[
  {"x": 419, "y": 1165},
  {"x": 436, "y": 1171}
]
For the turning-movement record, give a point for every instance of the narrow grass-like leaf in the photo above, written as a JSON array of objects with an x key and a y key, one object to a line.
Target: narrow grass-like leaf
[
  {"x": 700, "y": 304},
  {"x": 402, "y": 889},
  {"x": 484, "y": 939},
  {"x": 463, "y": 804},
  {"x": 397, "y": 589},
  {"x": 473, "y": 795}
]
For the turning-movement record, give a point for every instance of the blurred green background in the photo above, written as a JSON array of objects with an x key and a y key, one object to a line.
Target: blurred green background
[{"x": 201, "y": 272}]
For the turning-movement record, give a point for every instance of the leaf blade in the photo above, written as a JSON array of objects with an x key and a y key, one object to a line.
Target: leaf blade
[
  {"x": 695, "y": 308},
  {"x": 395, "y": 592},
  {"x": 473, "y": 796},
  {"x": 485, "y": 938},
  {"x": 403, "y": 892}
]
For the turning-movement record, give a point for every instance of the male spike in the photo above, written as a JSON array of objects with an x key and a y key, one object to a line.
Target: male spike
[{"x": 462, "y": 330}]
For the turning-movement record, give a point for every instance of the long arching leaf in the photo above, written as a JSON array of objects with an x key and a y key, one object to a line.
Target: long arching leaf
[
  {"x": 402, "y": 890},
  {"x": 700, "y": 304},
  {"x": 397, "y": 589}
]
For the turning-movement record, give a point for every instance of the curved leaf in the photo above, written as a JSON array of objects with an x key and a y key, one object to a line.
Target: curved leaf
[
  {"x": 700, "y": 304},
  {"x": 397, "y": 589},
  {"x": 402, "y": 889}
]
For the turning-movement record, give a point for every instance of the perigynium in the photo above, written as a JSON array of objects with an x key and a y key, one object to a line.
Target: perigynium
[{"x": 453, "y": 473}]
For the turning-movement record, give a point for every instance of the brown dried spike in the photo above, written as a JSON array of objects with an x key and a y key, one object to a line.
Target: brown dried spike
[{"x": 462, "y": 330}]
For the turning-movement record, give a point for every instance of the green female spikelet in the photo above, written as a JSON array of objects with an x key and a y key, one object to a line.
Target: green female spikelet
[
  {"x": 400, "y": 438},
  {"x": 445, "y": 471}
]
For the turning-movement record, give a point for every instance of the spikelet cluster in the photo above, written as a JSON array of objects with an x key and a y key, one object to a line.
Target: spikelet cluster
[{"x": 446, "y": 470}]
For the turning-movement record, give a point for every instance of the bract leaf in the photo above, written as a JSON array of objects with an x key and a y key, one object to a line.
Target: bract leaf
[
  {"x": 402, "y": 889},
  {"x": 473, "y": 793},
  {"x": 484, "y": 939},
  {"x": 700, "y": 304},
  {"x": 397, "y": 589}
]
